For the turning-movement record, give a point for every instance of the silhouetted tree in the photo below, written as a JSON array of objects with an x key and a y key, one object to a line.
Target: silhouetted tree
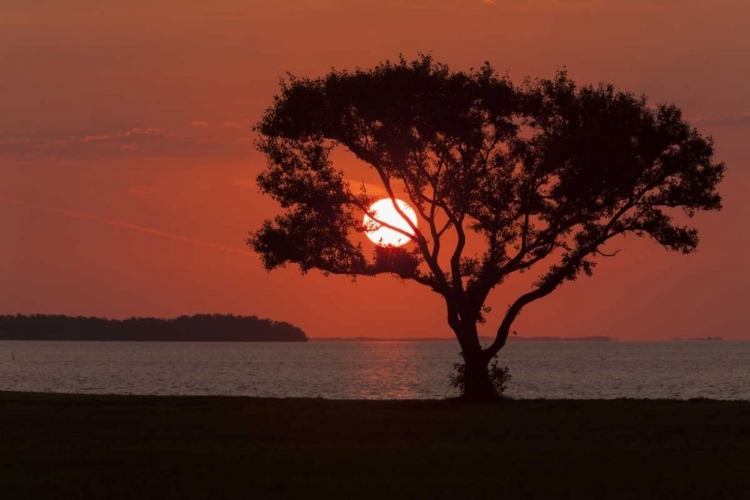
[{"x": 542, "y": 175}]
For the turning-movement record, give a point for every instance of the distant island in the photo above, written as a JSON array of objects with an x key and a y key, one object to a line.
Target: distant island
[
  {"x": 198, "y": 328},
  {"x": 699, "y": 339},
  {"x": 382, "y": 339},
  {"x": 593, "y": 338},
  {"x": 452, "y": 339}
]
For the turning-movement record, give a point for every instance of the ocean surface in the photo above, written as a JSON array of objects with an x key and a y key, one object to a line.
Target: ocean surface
[{"x": 375, "y": 370}]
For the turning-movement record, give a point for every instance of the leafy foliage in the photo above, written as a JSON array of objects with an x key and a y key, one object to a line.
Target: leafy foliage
[
  {"x": 499, "y": 377},
  {"x": 538, "y": 176}
]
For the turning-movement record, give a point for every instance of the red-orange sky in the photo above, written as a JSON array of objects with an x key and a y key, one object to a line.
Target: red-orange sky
[{"x": 125, "y": 134}]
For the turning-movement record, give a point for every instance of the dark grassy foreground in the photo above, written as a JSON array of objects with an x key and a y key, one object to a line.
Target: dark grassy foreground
[{"x": 55, "y": 446}]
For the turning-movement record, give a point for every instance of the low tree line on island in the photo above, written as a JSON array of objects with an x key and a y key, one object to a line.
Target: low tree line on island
[{"x": 201, "y": 327}]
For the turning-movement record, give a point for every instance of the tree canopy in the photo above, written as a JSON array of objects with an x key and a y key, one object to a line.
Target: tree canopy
[{"x": 538, "y": 175}]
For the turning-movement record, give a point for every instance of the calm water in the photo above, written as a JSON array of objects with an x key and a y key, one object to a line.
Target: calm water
[{"x": 375, "y": 370}]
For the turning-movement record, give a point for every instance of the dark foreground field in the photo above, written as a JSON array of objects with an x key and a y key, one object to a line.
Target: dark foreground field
[{"x": 62, "y": 446}]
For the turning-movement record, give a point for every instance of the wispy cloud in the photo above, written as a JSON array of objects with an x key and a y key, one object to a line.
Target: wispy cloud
[
  {"x": 207, "y": 124},
  {"x": 125, "y": 225},
  {"x": 370, "y": 189},
  {"x": 739, "y": 120},
  {"x": 149, "y": 141},
  {"x": 356, "y": 186},
  {"x": 142, "y": 190},
  {"x": 585, "y": 5},
  {"x": 525, "y": 5},
  {"x": 134, "y": 132}
]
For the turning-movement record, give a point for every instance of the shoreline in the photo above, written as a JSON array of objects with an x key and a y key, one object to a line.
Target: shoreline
[
  {"x": 315, "y": 340},
  {"x": 453, "y": 339},
  {"x": 26, "y": 395}
]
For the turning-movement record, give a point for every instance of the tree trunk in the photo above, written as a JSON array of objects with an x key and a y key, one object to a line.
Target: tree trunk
[{"x": 477, "y": 383}]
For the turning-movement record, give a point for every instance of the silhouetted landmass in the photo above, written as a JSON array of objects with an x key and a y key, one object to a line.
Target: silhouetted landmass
[
  {"x": 198, "y": 328},
  {"x": 383, "y": 339},
  {"x": 452, "y": 339},
  {"x": 593, "y": 338},
  {"x": 699, "y": 339}
]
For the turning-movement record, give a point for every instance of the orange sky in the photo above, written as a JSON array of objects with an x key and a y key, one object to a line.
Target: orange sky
[{"x": 126, "y": 163}]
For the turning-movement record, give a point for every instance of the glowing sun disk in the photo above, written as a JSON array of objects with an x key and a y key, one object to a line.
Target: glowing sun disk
[{"x": 384, "y": 211}]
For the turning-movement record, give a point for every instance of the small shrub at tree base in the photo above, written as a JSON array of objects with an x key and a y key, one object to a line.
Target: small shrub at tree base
[{"x": 499, "y": 377}]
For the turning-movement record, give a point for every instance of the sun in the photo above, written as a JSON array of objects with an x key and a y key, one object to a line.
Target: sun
[{"x": 384, "y": 211}]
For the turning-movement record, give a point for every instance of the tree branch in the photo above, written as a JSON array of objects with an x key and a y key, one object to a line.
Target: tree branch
[
  {"x": 420, "y": 239},
  {"x": 456, "y": 257},
  {"x": 599, "y": 252},
  {"x": 372, "y": 271}
]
